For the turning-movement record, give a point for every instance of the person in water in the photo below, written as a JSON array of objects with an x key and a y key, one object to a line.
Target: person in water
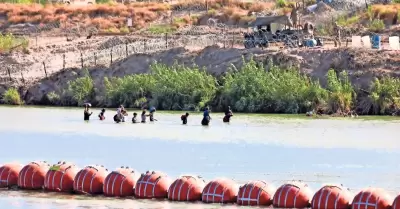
[
  {"x": 101, "y": 115},
  {"x": 151, "y": 115},
  {"x": 184, "y": 118},
  {"x": 143, "y": 116},
  {"x": 134, "y": 119},
  {"x": 87, "y": 113},
  {"x": 206, "y": 117},
  {"x": 228, "y": 115},
  {"x": 121, "y": 113}
]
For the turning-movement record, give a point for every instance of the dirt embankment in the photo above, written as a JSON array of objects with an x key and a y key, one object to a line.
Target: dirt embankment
[{"x": 362, "y": 65}]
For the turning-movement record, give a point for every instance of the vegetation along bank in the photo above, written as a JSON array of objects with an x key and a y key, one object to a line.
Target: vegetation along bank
[{"x": 251, "y": 88}]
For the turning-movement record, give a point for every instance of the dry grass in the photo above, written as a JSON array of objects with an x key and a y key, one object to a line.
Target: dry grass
[
  {"x": 102, "y": 16},
  {"x": 388, "y": 13},
  {"x": 219, "y": 4},
  {"x": 230, "y": 15},
  {"x": 113, "y": 17}
]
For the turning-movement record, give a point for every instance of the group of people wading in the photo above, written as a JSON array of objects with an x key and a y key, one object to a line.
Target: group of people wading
[{"x": 122, "y": 113}]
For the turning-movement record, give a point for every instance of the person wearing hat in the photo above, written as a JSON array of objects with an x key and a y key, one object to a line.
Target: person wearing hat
[{"x": 87, "y": 113}]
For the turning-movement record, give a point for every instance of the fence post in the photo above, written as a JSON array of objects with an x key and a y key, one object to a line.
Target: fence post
[
  {"x": 126, "y": 49},
  {"x": 166, "y": 40},
  {"x": 44, "y": 68},
  {"x": 63, "y": 61},
  {"x": 111, "y": 52},
  {"x": 95, "y": 59},
  {"x": 9, "y": 73},
  {"x": 224, "y": 35},
  {"x": 81, "y": 60},
  {"x": 233, "y": 39},
  {"x": 23, "y": 79},
  {"x": 144, "y": 46}
]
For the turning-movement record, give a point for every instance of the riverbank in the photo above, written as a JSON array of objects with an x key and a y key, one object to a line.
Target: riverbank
[
  {"x": 216, "y": 114},
  {"x": 254, "y": 81}
]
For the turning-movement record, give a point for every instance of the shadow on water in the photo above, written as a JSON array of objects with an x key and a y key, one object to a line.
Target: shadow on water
[{"x": 356, "y": 153}]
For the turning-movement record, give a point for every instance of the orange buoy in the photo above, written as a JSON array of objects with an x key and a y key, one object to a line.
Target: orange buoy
[
  {"x": 396, "y": 203},
  {"x": 186, "y": 188},
  {"x": 90, "y": 180},
  {"x": 255, "y": 193},
  {"x": 120, "y": 183},
  {"x": 331, "y": 197},
  {"x": 9, "y": 174},
  {"x": 32, "y": 175},
  {"x": 371, "y": 198},
  {"x": 292, "y": 195},
  {"x": 220, "y": 191},
  {"x": 152, "y": 185},
  {"x": 60, "y": 177}
]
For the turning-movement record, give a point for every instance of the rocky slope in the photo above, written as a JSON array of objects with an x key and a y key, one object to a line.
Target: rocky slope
[{"x": 362, "y": 65}]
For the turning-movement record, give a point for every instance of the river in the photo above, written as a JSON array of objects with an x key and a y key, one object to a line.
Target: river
[{"x": 355, "y": 152}]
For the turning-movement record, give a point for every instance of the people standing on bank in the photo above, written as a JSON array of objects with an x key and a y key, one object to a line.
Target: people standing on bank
[
  {"x": 206, "y": 117},
  {"x": 87, "y": 113},
  {"x": 337, "y": 30},
  {"x": 184, "y": 118},
  {"x": 228, "y": 115}
]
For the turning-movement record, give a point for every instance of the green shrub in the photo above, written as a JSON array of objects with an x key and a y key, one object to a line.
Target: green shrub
[
  {"x": 253, "y": 89},
  {"x": 130, "y": 91},
  {"x": 82, "y": 88},
  {"x": 384, "y": 96},
  {"x": 179, "y": 87},
  {"x": 9, "y": 41},
  {"x": 341, "y": 92},
  {"x": 281, "y": 3},
  {"x": 12, "y": 97},
  {"x": 376, "y": 25},
  {"x": 161, "y": 29},
  {"x": 53, "y": 98}
]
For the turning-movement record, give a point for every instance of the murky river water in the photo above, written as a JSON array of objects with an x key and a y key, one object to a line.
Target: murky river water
[{"x": 355, "y": 152}]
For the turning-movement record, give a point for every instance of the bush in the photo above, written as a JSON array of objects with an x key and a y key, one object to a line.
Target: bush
[
  {"x": 82, "y": 88},
  {"x": 384, "y": 96},
  {"x": 53, "y": 98},
  {"x": 130, "y": 91},
  {"x": 179, "y": 87},
  {"x": 341, "y": 92},
  {"x": 376, "y": 25},
  {"x": 12, "y": 97},
  {"x": 9, "y": 41},
  {"x": 253, "y": 89}
]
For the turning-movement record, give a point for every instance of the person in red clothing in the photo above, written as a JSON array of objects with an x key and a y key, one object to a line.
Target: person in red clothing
[
  {"x": 184, "y": 118},
  {"x": 101, "y": 115}
]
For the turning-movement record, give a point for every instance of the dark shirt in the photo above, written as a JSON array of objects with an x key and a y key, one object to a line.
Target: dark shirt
[
  {"x": 206, "y": 113},
  {"x": 134, "y": 120},
  {"x": 184, "y": 119},
  {"x": 86, "y": 115}
]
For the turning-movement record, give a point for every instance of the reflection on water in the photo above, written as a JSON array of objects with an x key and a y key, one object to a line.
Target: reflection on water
[{"x": 353, "y": 152}]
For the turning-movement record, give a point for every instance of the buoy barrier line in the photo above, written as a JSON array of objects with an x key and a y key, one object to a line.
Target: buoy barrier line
[{"x": 289, "y": 195}]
